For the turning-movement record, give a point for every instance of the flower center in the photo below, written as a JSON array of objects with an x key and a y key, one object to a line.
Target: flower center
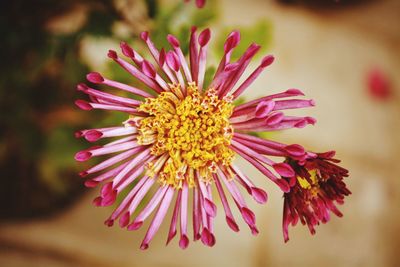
[
  {"x": 305, "y": 184},
  {"x": 190, "y": 134}
]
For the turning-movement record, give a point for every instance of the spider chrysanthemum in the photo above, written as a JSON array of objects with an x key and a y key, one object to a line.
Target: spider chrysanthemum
[{"x": 183, "y": 136}]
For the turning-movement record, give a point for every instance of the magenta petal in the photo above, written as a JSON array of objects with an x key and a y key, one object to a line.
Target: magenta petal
[
  {"x": 294, "y": 92},
  {"x": 311, "y": 120},
  {"x": 82, "y": 87},
  {"x": 112, "y": 54},
  {"x": 78, "y": 134},
  {"x": 172, "y": 229},
  {"x": 232, "y": 41},
  {"x": 268, "y": 60},
  {"x": 109, "y": 199},
  {"x": 95, "y": 77},
  {"x": 124, "y": 220},
  {"x": 83, "y": 174},
  {"x": 284, "y": 169},
  {"x": 144, "y": 246},
  {"x": 254, "y": 230},
  {"x": 127, "y": 50},
  {"x": 327, "y": 155},
  {"x": 83, "y": 155},
  {"x": 248, "y": 216},
  {"x": 91, "y": 183},
  {"x": 231, "y": 67},
  {"x": 196, "y": 236},
  {"x": 264, "y": 108},
  {"x": 144, "y": 35},
  {"x": 212, "y": 240},
  {"x": 207, "y": 238},
  {"x": 283, "y": 185},
  {"x": 106, "y": 189},
  {"x": 97, "y": 201},
  {"x": 109, "y": 222},
  {"x": 204, "y": 236},
  {"x": 259, "y": 195},
  {"x": 135, "y": 225},
  {"x": 93, "y": 135},
  {"x": 292, "y": 181},
  {"x": 232, "y": 224},
  {"x": 171, "y": 236},
  {"x": 251, "y": 51},
  {"x": 173, "y": 61},
  {"x": 204, "y": 37},
  {"x": 173, "y": 40},
  {"x": 210, "y": 207},
  {"x": 184, "y": 242},
  {"x": 82, "y": 104},
  {"x": 162, "y": 57},
  {"x": 295, "y": 150},
  {"x": 148, "y": 69},
  {"x": 275, "y": 118},
  {"x": 301, "y": 124}
]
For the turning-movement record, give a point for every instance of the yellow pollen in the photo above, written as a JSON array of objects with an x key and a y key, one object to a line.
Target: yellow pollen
[
  {"x": 313, "y": 186},
  {"x": 193, "y": 130}
]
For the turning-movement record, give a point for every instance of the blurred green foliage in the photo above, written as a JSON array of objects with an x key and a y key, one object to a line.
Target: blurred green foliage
[{"x": 39, "y": 71}]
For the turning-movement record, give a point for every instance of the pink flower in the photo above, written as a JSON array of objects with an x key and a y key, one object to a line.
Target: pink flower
[
  {"x": 379, "y": 86},
  {"x": 315, "y": 190},
  {"x": 199, "y": 3},
  {"x": 182, "y": 137}
]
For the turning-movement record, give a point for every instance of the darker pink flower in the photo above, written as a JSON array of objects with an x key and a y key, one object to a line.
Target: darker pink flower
[
  {"x": 315, "y": 191},
  {"x": 379, "y": 86}
]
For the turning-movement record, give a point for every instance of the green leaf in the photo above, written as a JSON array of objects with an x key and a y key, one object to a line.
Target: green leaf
[
  {"x": 209, "y": 75},
  {"x": 239, "y": 101}
]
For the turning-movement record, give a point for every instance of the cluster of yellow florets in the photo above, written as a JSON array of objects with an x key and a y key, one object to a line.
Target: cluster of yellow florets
[
  {"x": 313, "y": 186},
  {"x": 191, "y": 133}
]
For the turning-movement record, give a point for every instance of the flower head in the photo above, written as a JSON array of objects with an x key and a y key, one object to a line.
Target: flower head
[
  {"x": 182, "y": 135},
  {"x": 316, "y": 189}
]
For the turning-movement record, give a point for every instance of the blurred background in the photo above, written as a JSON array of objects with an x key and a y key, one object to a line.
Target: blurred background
[{"x": 343, "y": 53}]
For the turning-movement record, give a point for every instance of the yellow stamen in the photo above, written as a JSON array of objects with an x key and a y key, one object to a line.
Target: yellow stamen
[
  {"x": 193, "y": 130},
  {"x": 313, "y": 186}
]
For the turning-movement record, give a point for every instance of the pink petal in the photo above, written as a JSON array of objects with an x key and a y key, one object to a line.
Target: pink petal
[
  {"x": 268, "y": 60},
  {"x": 148, "y": 69},
  {"x": 95, "y": 77},
  {"x": 83, "y": 155},
  {"x": 264, "y": 108},
  {"x": 84, "y": 105},
  {"x": 173, "y": 61},
  {"x": 184, "y": 242},
  {"x": 210, "y": 207},
  {"x": 284, "y": 169},
  {"x": 232, "y": 224},
  {"x": 295, "y": 150},
  {"x": 93, "y": 135},
  {"x": 173, "y": 40},
  {"x": 259, "y": 195},
  {"x": 204, "y": 37},
  {"x": 112, "y": 54}
]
